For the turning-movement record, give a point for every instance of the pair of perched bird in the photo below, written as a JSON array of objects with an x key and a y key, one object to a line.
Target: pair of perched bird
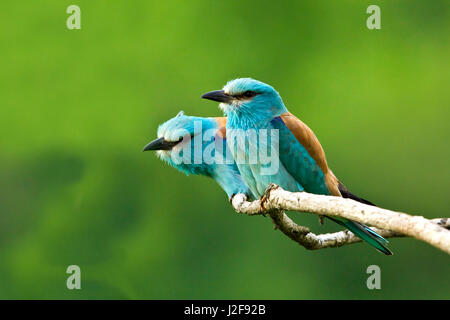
[{"x": 253, "y": 105}]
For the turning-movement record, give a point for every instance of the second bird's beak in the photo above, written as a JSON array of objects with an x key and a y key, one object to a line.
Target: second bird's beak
[
  {"x": 160, "y": 144},
  {"x": 217, "y": 95}
]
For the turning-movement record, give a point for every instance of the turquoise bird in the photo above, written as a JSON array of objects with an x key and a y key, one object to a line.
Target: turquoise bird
[
  {"x": 297, "y": 156},
  {"x": 177, "y": 145}
]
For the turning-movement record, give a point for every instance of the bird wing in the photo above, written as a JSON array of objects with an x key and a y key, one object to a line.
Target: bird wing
[
  {"x": 293, "y": 146},
  {"x": 289, "y": 153}
]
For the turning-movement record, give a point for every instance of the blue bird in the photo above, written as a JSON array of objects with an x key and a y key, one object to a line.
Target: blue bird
[
  {"x": 177, "y": 145},
  {"x": 255, "y": 107}
]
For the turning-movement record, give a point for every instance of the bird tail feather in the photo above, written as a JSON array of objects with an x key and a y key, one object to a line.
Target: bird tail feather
[{"x": 366, "y": 234}]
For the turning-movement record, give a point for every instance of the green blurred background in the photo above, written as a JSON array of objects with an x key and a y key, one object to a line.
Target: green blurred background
[{"x": 77, "y": 106}]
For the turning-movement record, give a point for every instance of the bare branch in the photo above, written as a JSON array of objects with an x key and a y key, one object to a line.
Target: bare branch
[{"x": 385, "y": 222}]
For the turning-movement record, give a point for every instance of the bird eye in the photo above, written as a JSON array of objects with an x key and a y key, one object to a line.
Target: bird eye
[{"x": 249, "y": 94}]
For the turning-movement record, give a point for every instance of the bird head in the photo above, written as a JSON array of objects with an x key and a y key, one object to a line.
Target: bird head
[
  {"x": 176, "y": 137},
  {"x": 248, "y": 97}
]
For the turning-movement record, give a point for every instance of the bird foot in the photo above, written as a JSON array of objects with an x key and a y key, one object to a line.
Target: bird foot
[
  {"x": 261, "y": 205},
  {"x": 265, "y": 197},
  {"x": 231, "y": 198}
]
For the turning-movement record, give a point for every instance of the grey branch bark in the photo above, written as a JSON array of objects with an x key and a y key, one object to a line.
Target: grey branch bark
[{"x": 385, "y": 222}]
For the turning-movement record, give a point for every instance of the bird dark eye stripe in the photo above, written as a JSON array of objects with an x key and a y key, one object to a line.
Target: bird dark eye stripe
[
  {"x": 246, "y": 95},
  {"x": 174, "y": 143}
]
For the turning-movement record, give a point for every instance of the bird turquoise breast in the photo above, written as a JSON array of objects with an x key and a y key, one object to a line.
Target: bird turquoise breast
[{"x": 251, "y": 143}]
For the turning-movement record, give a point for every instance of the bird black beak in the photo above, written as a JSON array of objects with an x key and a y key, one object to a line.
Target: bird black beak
[
  {"x": 218, "y": 95},
  {"x": 160, "y": 144}
]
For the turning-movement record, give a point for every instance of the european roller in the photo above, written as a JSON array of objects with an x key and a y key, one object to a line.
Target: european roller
[
  {"x": 177, "y": 145},
  {"x": 255, "y": 107}
]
